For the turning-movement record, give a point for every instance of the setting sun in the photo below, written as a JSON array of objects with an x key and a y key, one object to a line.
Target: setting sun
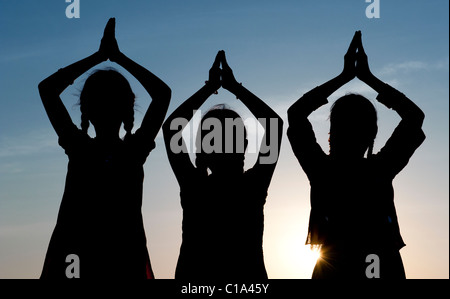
[{"x": 314, "y": 254}]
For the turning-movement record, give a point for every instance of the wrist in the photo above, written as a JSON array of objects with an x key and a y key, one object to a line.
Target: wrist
[
  {"x": 344, "y": 78},
  {"x": 233, "y": 87},
  {"x": 212, "y": 87},
  {"x": 99, "y": 56},
  {"x": 118, "y": 57},
  {"x": 367, "y": 77}
]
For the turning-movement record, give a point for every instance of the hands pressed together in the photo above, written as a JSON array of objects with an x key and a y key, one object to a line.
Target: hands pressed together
[
  {"x": 355, "y": 61},
  {"x": 109, "y": 49},
  {"x": 221, "y": 77}
]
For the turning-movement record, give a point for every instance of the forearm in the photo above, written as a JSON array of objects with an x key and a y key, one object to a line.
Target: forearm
[
  {"x": 59, "y": 81},
  {"x": 306, "y": 105},
  {"x": 315, "y": 98},
  {"x": 256, "y": 106},
  {"x": 156, "y": 88},
  {"x": 407, "y": 109},
  {"x": 394, "y": 99},
  {"x": 186, "y": 110},
  {"x": 329, "y": 87}
]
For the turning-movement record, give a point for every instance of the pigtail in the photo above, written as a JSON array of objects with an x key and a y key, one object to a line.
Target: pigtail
[
  {"x": 96, "y": 92},
  {"x": 84, "y": 122},
  {"x": 370, "y": 150},
  {"x": 200, "y": 163},
  {"x": 128, "y": 121}
]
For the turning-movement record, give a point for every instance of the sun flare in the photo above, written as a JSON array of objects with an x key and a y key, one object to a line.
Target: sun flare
[{"x": 315, "y": 254}]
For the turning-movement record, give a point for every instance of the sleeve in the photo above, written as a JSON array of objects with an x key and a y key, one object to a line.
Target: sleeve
[
  {"x": 253, "y": 182},
  {"x": 72, "y": 140},
  {"x": 301, "y": 134},
  {"x": 408, "y": 135},
  {"x": 141, "y": 145}
]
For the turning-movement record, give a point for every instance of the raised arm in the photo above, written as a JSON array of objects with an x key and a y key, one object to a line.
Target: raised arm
[
  {"x": 51, "y": 88},
  {"x": 318, "y": 96},
  {"x": 269, "y": 119},
  {"x": 387, "y": 95},
  {"x": 300, "y": 131},
  {"x": 177, "y": 121},
  {"x": 155, "y": 87},
  {"x": 408, "y": 135}
]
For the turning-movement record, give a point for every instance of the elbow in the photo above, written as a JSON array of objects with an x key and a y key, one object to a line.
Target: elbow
[
  {"x": 163, "y": 96},
  {"x": 280, "y": 124},
  {"x": 280, "y": 129},
  {"x": 167, "y": 94},
  {"x": 166, "y": 126},
  {"x": 291, "y": 115},
  {"x": 421, "y": 117},
  {"x": 418, "y": 118},
  {"x": 42, "y": 86},
  {"x": 44, "y": 90},
  {"x": 167, "y": 134},
  {"x": 290, "y": 112}
]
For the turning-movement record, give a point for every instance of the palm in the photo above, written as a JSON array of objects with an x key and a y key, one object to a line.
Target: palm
[
  {"x": 228, "y": 79},
  {"x": 109, "y": 47},
  {"x": 215, "y": 73},
  {"x": 362, "y": 64},
  {"x": 349, "y": 71}
]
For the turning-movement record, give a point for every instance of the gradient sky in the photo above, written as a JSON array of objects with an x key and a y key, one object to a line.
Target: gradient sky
[{"x": 279, "y": 50}]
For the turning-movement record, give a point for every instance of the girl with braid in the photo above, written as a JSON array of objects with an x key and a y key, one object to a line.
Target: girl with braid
[
  {"x": 353, "y": 216},
  {"x": 100, "y": 217}
]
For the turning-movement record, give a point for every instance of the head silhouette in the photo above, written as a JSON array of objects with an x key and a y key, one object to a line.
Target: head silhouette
[
  {"x": 221, "y": 142},
  {"x": 107, "y": 101},
  {"x": 353, "y": 127}
]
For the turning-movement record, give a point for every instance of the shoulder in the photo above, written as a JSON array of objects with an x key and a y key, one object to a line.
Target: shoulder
[
  {"x": 72, "y": 139},
  {"x": 253, "y": 183},
  {"x": 139, "y": 143}
]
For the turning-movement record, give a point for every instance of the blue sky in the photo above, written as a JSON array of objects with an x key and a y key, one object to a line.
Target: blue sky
[{"x": 279, "y": 50}]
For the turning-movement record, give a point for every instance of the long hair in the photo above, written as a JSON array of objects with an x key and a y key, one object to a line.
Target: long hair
[
  {"x": 354, "y": 114},
  {"x": 220, "y": 112},
  {"x": 107, "y": 87}
]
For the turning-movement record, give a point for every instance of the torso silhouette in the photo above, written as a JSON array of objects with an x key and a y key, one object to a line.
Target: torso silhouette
[
  {"x": 352, "y": 204},
  {"x": 100, "y": 214},
  {"x": 223, "y": 225},
  {"x": 352, "y": 201}
]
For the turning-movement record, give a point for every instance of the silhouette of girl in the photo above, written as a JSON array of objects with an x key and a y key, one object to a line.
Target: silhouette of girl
[
  {"x": 352, "y": 198},
  {"x": 100, "y": 216},
  {"x": 223, "y": 218}
]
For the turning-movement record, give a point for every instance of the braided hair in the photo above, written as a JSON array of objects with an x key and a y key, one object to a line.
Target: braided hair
[
  {"x": 357, "y": 114},
  {"x": 220, "y": 112},
  {"x": 107, "y": 87}
]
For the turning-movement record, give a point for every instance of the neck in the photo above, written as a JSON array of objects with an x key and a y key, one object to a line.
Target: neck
[
  {"x": 227, "y": 175},
  {"x": 346, "y": 156},
  {"x": 107, "y": 136}
]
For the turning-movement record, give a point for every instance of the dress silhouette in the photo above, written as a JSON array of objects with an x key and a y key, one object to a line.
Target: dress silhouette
[
  {"x": 223, "y": 217},
  {"x": 100, "y": 218},
  {"x": 352, "y": 197}
]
